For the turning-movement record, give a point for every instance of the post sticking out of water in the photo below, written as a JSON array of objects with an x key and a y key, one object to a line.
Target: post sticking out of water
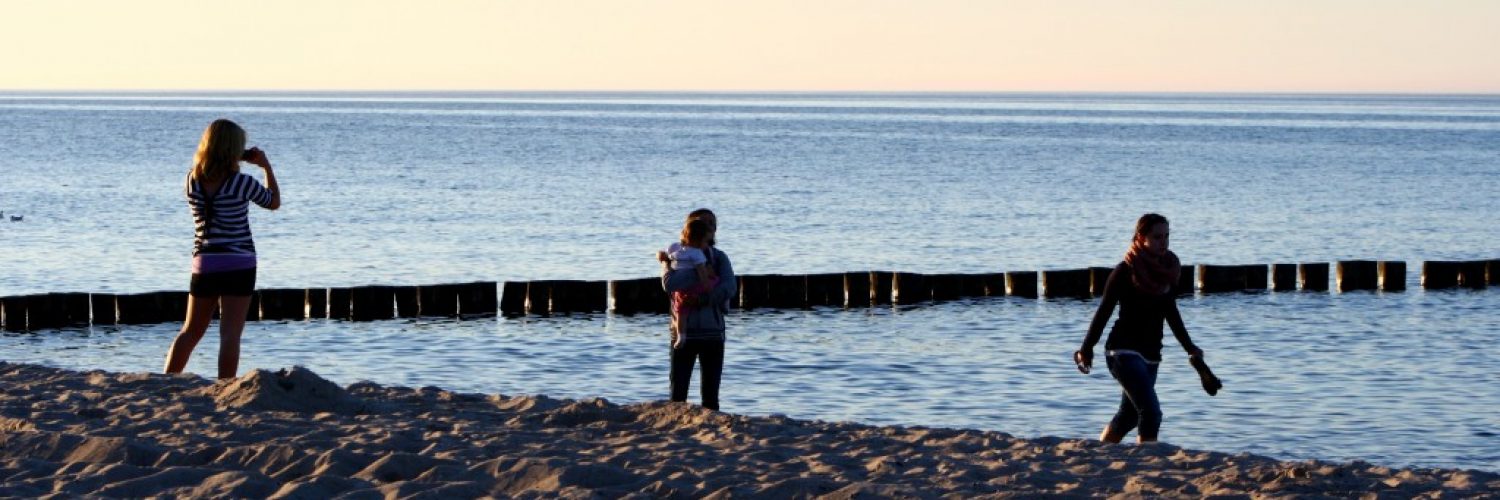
[
  {"x": 910, "y": 288},
  {"x": 857, "y": 289},
  {"x": 1066, "y": 283},
  {"x": 1392, "y": 275},
  {"x": 1357, "y": 275},
  {"x": 1021, "y": 284},
  {"x": 1313, "y": 275},
  {"x": 1437, "y": 275},
  {"x": 882, "y": 285}
]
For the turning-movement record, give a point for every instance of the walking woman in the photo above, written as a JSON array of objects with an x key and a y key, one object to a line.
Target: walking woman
[
  {"x": 219, "y": 196},
  {"x": 1144, "y": 286},
  {"x": 701, "y": 322}
]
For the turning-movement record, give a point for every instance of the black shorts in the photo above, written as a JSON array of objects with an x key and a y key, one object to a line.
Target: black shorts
[{"x": 233, "y": 283}]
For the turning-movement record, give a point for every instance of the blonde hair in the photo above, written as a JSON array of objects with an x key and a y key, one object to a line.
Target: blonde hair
[{"x": 219, "y": 151}]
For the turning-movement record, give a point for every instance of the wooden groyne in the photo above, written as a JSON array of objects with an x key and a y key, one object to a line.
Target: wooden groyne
[{"x": 645, "y": 295}]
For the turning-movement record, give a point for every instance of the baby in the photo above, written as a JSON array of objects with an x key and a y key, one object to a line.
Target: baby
[{"x": 689, "y": 255}]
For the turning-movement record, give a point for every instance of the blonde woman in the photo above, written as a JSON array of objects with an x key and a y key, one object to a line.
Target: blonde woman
[{"x": 219, "y": 196}]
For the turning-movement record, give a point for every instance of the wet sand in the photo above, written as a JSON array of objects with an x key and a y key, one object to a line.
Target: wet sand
[{"x": 292, "y": 434}]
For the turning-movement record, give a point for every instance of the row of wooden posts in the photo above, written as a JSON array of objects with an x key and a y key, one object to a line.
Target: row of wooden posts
[
  {"x": 366, "y": 303},
  {"x": 645, "y": 295}
]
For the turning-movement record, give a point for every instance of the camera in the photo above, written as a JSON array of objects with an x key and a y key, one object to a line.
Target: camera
[{"x": 247, "y": 155}]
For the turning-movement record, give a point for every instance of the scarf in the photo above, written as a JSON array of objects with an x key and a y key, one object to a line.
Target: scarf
[{"x": 1152, "y": 273}]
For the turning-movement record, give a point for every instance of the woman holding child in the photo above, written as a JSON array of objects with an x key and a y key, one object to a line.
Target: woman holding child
[{"x": 701, "y": 281}]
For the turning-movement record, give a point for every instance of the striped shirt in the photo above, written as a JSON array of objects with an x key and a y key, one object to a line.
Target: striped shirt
[{"x": 222, "y": 219}]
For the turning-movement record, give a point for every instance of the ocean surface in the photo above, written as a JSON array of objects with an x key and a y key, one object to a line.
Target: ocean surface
[{"x": 422, "y": 188}]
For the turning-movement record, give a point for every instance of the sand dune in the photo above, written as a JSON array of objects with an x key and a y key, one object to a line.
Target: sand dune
[{"x": 292, "y": 434}]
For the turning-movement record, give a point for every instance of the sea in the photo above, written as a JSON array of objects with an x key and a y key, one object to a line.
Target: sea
[{"x": 423, "y": 188}]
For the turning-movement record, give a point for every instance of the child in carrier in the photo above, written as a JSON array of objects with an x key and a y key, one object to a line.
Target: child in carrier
[{"x": 689, "y": 255}]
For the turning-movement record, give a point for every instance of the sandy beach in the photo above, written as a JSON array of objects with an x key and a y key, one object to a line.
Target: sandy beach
[{"x": 293, "y": 434}]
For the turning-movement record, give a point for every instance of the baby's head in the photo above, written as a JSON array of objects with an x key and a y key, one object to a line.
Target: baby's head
[{"x": 696, "y": 233}]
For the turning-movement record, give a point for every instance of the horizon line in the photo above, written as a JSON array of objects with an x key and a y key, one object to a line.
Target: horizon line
[{"x": 1485, "y": 93}]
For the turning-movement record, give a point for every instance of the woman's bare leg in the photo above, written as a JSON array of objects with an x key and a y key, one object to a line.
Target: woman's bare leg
[
  {"x": 200, "y": 311},
  {"x": 231, "y": 325}
]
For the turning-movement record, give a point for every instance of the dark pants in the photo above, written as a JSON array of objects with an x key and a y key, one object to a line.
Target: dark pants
[
  {"x": 1138, "y": 404},
  {"x": 711, "y": 353}
]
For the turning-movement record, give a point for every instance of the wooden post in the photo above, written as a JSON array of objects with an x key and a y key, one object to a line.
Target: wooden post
[
  {"x": 1066, "y": 283},
  {"x": 754, "y": 291},
  {"x": 1437, "y": 274},
  {"x": 1099, "y": 278},
  {"x": 825, "y": 289},
  {"x": 513, "y": 298},
  {"x": 361, "y": 303},
  {"x": 993, "y": 284},
  {"x": 478, "y": 298},
  {"x": 370, "y": 303},
  {"x": 1357, "y": 275},
  {"x": 76, "y": 306},
  {"x": 442, "y": 300},
  {"x": 910, "y": 288},
  {"x": 102, "y": 308},
  {"x": 881, "y": 285},
  {"x": 44, "y": 311},
  {"x": 317, "y": 302},
  {"x": 384, "y": 306},
  {"x": 1215, "y": 279},
  {"x": 1020, "y": 284},
  {"x": 171, "y": 304},
  {"x": 788, "y": 291},
  {"x": 593, "y": 296},
  {"x": 129, "y": 310},
  {"x": 945, "y": 287},
  {"x": 283, "y": 303},
  {"x": 654, "y": 298},
  {"x": 252, "y": 312},
  {"x": 1255, "y": 276},
  {"x": 588, "y": 296},
  {"x": 15, "y": 313},
  {"x": 408, "y": 301},
  {"x": 1471, "y": 274},
  {"x": 562, "y": 296},
  {"x": 1313, "y": 276},
  {"x": 1283, "y": 277},
  {"x": 539, "y": 297},
  {"x": 339, "y": 300},
  {"x": 271, "y": 304},
  {"x": 633, "y": 296},
  {"x": 1392, "y": 275},
  {"x": 974, "y": 285},
  {"x": 137, "y": 309},
  {"x": 857, "y": 289}
]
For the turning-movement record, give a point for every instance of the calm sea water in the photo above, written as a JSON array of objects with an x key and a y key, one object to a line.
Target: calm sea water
[{"x": 429, "y": 188}]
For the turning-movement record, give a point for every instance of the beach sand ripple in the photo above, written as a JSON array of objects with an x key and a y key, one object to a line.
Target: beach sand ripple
[{"x": 293, "y": 434}]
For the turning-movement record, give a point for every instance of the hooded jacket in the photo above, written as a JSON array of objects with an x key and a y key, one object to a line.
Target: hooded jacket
[{"x": 705, "y": 322}]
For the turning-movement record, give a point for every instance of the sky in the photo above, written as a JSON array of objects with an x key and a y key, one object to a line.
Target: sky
[{"x": 1432, "y": 46}]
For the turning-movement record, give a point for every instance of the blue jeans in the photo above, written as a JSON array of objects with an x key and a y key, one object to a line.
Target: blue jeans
[{"x": 1138, "y": 404}]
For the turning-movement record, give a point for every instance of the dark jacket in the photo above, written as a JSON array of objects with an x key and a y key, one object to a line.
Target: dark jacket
[
  {"x": 1141, "y": 317},
  {"x": 707, "y": 320}
]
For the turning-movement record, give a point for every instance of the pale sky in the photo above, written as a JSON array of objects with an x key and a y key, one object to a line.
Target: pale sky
[{"x": 753, "y": 45}]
